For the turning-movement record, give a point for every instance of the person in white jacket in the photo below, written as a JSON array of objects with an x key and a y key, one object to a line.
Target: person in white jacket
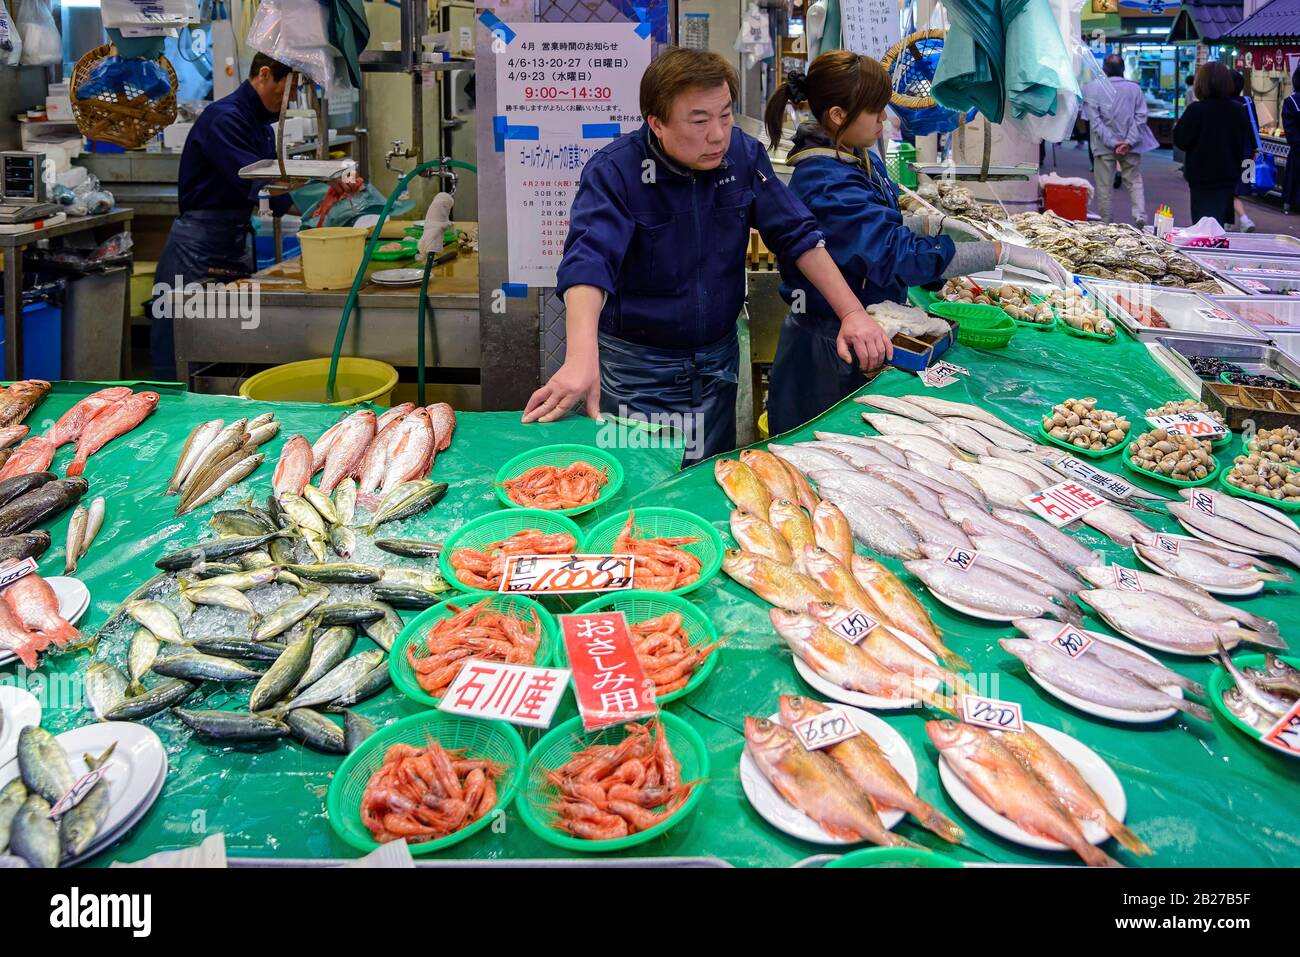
[{"x": 1116, "y": 109}]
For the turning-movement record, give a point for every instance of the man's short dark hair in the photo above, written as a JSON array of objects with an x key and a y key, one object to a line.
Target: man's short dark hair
[
  {"x": 1113, "y": 65},
  {"x": 278, "y": 70}
]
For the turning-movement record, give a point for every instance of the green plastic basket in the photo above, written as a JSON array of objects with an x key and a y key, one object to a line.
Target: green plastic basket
[
  {"x": 980, "y": 326},
  {"x": 921, "y": 298},
  {"x": 568, "y": 739},
  {"x": 637, "y": 606},
  {"x": 1040, "y": 326},
  {"x": 897, "y": 158},
  {"x": 1220, "y": 681},
  {"x": 517, "y": 606},
  {"x": 1213, "y": 474},
  {"x": 1081, "y": 334},
  {"x": 494, "y": 740},
  {"x": 495, "y": 527},
  {"x": 893, "y": 857},
  {"x": 409, "y": 250},
  {"x": 1074, "y": 449},
  {"x": 1242, "y": 493},
  {"x": 660, "y": 522},
  {"x": 561, "y": 456}
]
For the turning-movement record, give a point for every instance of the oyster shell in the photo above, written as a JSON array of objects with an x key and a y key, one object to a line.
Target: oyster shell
[
  {"x": 1150, "y": 264},
  {"x": 1182, "y": 266}
]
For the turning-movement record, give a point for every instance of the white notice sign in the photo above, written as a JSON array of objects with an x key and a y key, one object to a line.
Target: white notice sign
[{"x": 870, "y": 26}]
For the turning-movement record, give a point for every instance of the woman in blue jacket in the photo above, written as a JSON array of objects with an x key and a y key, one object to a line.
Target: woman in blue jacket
[{"x": 879, "y": 251}]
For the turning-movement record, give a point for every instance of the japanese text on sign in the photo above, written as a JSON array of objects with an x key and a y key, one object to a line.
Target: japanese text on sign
[
  {"x": 12, "y": 571},
  {"x": 853, "y": 625},
  {"x": 1196, "y": 425},
  {"x": 991, "y": 713},
  {"x": 1285, "y": 735},
  {"x": 961, "y": 558},
  {"x": 1167, "y": 544},
  {"x": 1127, "y": 579},
  {"x": 1111, "y": 484},
  {"x": 941, "y": 374},
  {"x": 870, "y": 27},
  {"x": 1063, "y": 503},
  {"x": 608, "y": 680},
  {"x": 563, "y": 574},
  {"x": 1071, "y": 642},
  {"x": 822, "y": 730},
  {"x": 1203, "y": 500},
  {"x": 513, "y": 693}
]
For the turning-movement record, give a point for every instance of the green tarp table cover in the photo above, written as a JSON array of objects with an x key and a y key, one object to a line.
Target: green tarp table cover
[{"x": 1199, "y": 795}]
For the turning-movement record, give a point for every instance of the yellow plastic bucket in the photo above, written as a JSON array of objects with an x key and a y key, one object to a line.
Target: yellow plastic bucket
[
  {"x": 762, "y": 427},
  {"x": 358, "y": 380},
  {"x": 331, "y": 256}
]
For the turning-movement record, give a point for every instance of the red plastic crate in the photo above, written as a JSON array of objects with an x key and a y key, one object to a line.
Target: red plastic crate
[{"x": 1068, "y": 201}]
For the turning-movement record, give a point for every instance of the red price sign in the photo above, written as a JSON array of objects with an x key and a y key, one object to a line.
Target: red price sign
[
  {"x": 608, "y": 680},
  {"x": 822, "y": 730},
  {"x": 1195, "y": 425},
  {"x": 1285, "y": 735},
  {"x": 563, "y": 574},
  {"x": 1071, "y": 642},
  {"x": 1127, "y": 579},
  {"x": 991, "y": 713},
  {"x": 502, "y": 692},
  {"x": 1063, "y": 503}
]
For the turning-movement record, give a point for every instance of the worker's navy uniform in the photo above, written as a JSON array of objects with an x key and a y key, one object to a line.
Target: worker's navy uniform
[
  {"x": 856, "y": 206},
  {"x": 668, "y": 246},
  {"x": 209, "y": 239}
]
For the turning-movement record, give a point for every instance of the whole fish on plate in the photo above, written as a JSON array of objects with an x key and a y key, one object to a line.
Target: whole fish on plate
[
  {"x": 961, "y": 510},
  {"x": 838, "y": 483},
  {"x": 1257, "y": 538},
  {"x": 757, "y": 536},
  {"x": 772, "y": 473},
  {"x": 1067, "y": 785},
  {"x": 891, "y": 651},
  {"x": 875, "y": 528},
  {"x": 858, "y": 456},
  {"x": 794, "y": 525},
  {"x": 964, "y": 437},
  {"x": 34, "y": 455},
  {"x": 81, "y": 824},
  {"x": 1018, "y": 468},
  {"x": 1118, "y": 525},
  {"x": 293, "y": 471},
  {"x": 988, "y": 592},
  {"x": 33, "y": 836},
  {"x": 895, "y": 425},
  {"x": 929, "y": 528},
  {"x": 355, "y": 434},
  {"x": 775, "y": 583},
  {"x": 1003, "y": 438},
  {"x": 999, "y": 487},
  {"x": 898, "y": 405},
  {"x": 1113, "y": 655},
  {"x": 1062, "y": 548},
  {"x": 923, "y": 491},
  {"x": 832, "y": 532},
  {"x": 1164, "y": 623},
  {"x": 1028, "y": 557},
  {"x": 847, "y": 665},
  {"x": 1254, "y": 515},
  {"x": 865, "y": 764},
  {"x": 1193, "y": 597},
  {"x": 812, "y": 782},
  {"x": 1207, "y": 570},
  {"x": 110, "y": 424},
  {"x": 43, "y": 764},
  {"x": 933, "y": 447},
  {"x": 1018, "y": 575},
  {"x": 948, "y": 409},
  {"x": 1270, "y": 702},
  {"x": 12, "y": 797},
  {"x": 1089, "y": 678},
  {"x": 1276, "y": 676},
  {"x": 41, "y": 504},
  {"x": 834, "y": 576},
  {"x": 73, "y": 422},
  {"x": 873, "y": 442},
  {"x": 743, "y": 486},
  {"x": 998, "y": 779},
  {"x": 20, "y": 398},
  {"x": 902, "y": 609},
  {"x": 36, "y": 606}
]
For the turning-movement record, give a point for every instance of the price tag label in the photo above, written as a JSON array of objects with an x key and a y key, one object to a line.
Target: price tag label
[
  {"x": 1203, "y": 500},
  {"x": 1217, "y": 315},
  {"x": 1166, "y": 544},
  {"x": 1285, "y": 735},
  {"x": 991, "y": 713},
  {"x": 822, "y": 730},
  {"x": 10, "y": 572},
  {"x": 961, "y": 558},
  {"x": 1063, "y": 503},
  {"x": 566, "y": 574},
  {"x": 1196, "y": 425},
  {"x": 950, "y": 368},
  {"x": 514, "y": 693},
  {"x": 78, "y": 791},
  {"x": 852, "y": 625},
  {"x": 1095, "y": 478},
  {"x": 942, "y": 374},
  {"x": 1071, "y": 642},
  {"x": 608, "y": 680},
  {"x": 1127, "y": 579}
]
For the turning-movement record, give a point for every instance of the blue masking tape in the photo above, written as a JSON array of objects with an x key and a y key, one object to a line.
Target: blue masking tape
[
  {"x": 644, "y": 29},
  {"x": 515, "y": 290},
  {"x": 502, "y": 131},
  {"x": 601, "y": 131},
  {"x": 493, "y": 23}
]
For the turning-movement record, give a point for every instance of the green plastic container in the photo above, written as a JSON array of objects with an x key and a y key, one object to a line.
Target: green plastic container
[
  {"x": 561, "y": 456},
  {"x": 569, "y": 738},
  {"x": 921, "y": 298},
  {"x": 1213, "y": 474},
  {"x": 637, "y": 606},
  {"x": 1221, "y": 681},
  {"x": 1075, "y": 450},
  {"x": 494, "y": 740},
  {"x": 1040, "y": 326},
  {"x": 1242, "y": 493},
  {"x": 1081, "y": 334},
  {"x": 660, "y": 522},
  {"x": 979, "y": 326},
  {"x": 516, "y": 606},
  {"x": 893, "y": 857},
  {"x": 409, "y": 250},
  {"x": 495, "y": 527}
]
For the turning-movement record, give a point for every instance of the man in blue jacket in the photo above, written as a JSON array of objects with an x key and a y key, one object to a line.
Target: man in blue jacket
[{"x": 653, "y": 274}]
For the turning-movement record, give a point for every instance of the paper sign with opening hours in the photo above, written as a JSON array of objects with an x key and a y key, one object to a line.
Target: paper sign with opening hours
[
  {"x": 852, "y": 625},
  {"x": 991, "y": 713},
  {"x": 517, "y": 694},
  {"x": 822, "y": 730},
  {"x": 1062, "y": 503},
  {"x": 961, "y": 558},
  {"x": 566, "y": 574},
  {"x": 1127, "y": 579},
  {"x": 1094, "y": 478},
  {"x": 1285, "y": 735},
  {"x": 1196, "y": 425},
  {"x": 10, "y": 572},
  {"x": 1203, "y": 500},
  {"x": 608, "y": 680},
  {"x": 1071, "y": 642}
]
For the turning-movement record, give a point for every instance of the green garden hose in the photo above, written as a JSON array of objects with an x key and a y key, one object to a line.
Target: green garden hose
[{"x": 365, "y": 263}]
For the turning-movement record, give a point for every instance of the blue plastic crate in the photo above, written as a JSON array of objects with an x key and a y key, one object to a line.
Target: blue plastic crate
[
  {"x": 915, "y": 355},
  {"x": 42, "y": 341},
  {"x": 264, "y": 246}
]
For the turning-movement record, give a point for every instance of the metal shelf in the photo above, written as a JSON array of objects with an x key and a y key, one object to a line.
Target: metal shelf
[{"x": 310, "y": 146}]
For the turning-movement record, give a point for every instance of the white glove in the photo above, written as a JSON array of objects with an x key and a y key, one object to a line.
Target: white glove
[
  {"x": 436, "y": 222},
  {"x": 1035, "y": 260},
  {"x": 926, "y": 223}
]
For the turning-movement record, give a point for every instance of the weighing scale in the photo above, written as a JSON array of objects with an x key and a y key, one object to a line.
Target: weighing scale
[{"x": 22, "y": 188}]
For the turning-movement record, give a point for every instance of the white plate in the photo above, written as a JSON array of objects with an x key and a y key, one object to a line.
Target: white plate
[
  {"x": 135, "y": 772},
  {"x": 831, "y": 690},
  {"x": 397, "y": 277},
  {"x": 1254, "y": 589},
  {"x": 975, "y": 612},
  {"x": 108, "y": 838},
  {"x": 1091, "y": 767},
  {"x": 784, "y": 816},
  {"x": 1104, "y": 711},
  {"x": 18, "y": 709},
  {"x": 73, "y": 595},
  {"x": 1195, "y": 533}
]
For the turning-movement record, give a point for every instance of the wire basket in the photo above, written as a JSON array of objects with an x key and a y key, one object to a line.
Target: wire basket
[
  {"x": 562, "y": 456},
  {"x": 126, "y": 117}
]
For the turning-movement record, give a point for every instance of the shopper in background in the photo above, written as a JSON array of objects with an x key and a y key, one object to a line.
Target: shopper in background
[
  {"x": 1215, "y": 135},
  {"x": 1119, "y": 135},
  {"x": 880, "y": 251},
  {"x": 1246, "y": 187},
  {"x": 653, "y": 274},
  {"x": 1291, "y": 128}
]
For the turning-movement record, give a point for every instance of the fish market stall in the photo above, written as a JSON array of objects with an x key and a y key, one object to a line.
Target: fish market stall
[{"x": 1195, "y": 792}]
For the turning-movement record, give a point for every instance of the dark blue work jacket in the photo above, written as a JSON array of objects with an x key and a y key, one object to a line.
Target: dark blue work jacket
[
  {"x": 668, "y": 244},
  {"x": 228, "y": 135}
]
